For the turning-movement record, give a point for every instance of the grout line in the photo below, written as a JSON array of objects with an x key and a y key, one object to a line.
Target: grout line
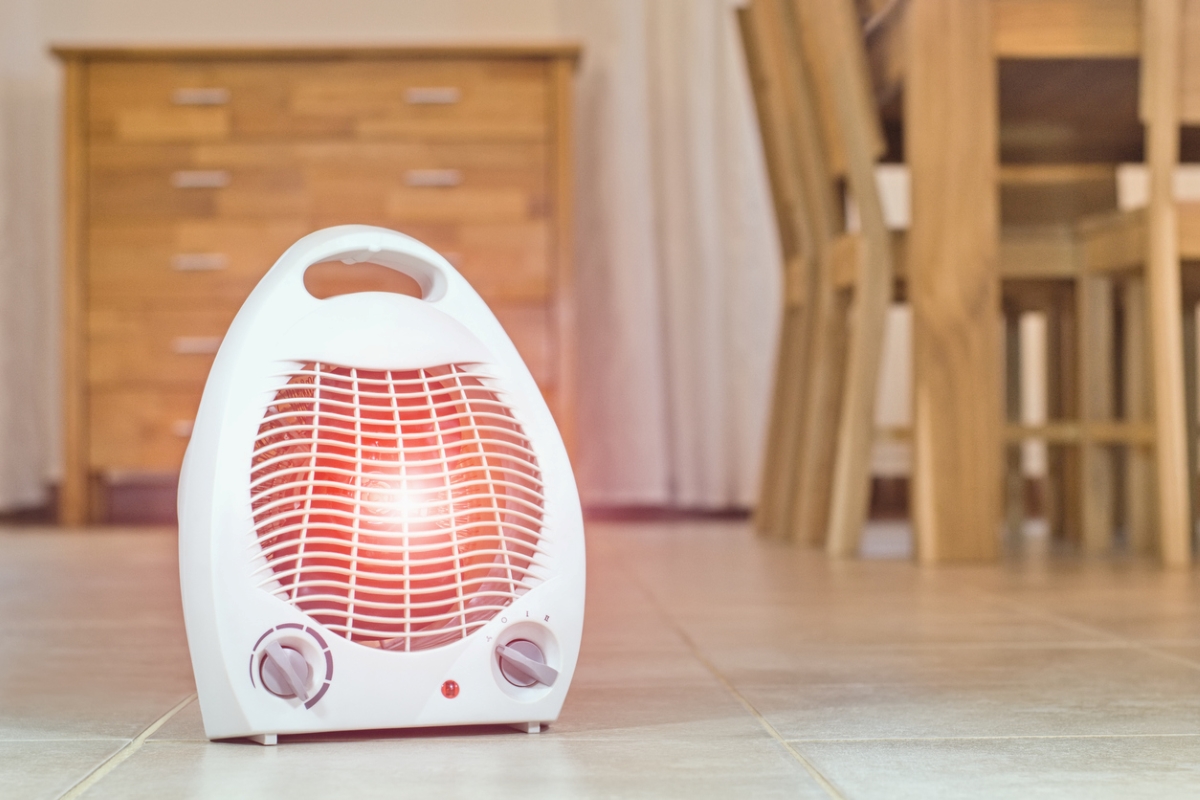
[
  {"x": 19, "y": 739},
  {"x": 1002, "y": 738},
  {"x": 117, "y": 758},
  {"x": 822, "y": 781},
  {"x": 1094, "y": 630},
  {"x": 816, "y": 774},
  {"x": 1109, "y": 640},
  {"x": 909, "y": 646}
]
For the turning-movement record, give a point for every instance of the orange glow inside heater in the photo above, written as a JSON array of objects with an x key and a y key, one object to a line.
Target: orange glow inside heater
[{"x": 400, "y": 509}]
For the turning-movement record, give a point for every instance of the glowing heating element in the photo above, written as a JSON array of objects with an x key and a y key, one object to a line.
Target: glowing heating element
[{"x": 400, "y": 509}]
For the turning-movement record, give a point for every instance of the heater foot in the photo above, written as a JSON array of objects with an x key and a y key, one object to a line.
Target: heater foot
[
  {"x": 269, "y": 739},
  {"x": 527, "y": 727}
]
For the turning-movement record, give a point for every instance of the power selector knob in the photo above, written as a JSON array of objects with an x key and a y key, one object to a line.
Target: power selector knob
[
  {"x": 522, "y": 663},
  {"x": 285, "y": 672}
]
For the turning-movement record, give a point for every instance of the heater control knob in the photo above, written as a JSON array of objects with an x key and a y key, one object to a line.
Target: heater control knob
[
  {"x": 522, "y": 663},
  {"x": 285, "y": 672}
]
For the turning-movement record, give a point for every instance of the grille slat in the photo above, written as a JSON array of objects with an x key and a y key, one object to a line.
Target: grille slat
[
  {"x": 382, "y": 591},
  {"x": 517, "y": 488},
  {"x": 378, "y": 449},
  {"x": 525, "y": 481},
  {"x": 275, "y": 512},
  {"x": 430, "y": 571},
  {"x": 400, "y": 509},
  {"x": 496, "y": 416}
]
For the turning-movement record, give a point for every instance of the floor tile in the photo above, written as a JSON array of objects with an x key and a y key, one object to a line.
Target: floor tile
[
  {"x": 1020, "y": 769},
  {"x": 466, "y": 764},
  {"x": 91, "y": 638},
  {"x": 47, "y": 769},
  {"x": 1001, "y": 692},
  {"x": 1048, "y": 676},
  {"x": 88, "y": 579}
]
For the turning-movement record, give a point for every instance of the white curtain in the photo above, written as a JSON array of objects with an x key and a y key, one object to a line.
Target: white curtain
[
  {"x": 28, "y": 258},
  {"x": 678, "y": 263}
]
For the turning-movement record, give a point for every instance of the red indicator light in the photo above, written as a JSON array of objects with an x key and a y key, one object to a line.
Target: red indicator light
[{"x": 450, "y": 689}]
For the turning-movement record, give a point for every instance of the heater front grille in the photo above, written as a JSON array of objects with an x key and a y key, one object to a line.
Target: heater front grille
[{"x": 400, "y": 509}]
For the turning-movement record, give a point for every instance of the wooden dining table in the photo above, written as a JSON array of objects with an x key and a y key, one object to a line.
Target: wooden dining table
[{"x": 946, "y": 54}]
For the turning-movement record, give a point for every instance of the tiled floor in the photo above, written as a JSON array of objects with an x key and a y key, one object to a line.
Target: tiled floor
[{"x": 714, "y": 665}]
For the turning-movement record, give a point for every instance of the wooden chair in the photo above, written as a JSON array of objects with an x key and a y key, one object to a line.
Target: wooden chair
[
  {"x": 1143, "y": 250},
  {"x": 1040, "y": 271},
  {"x": 1068, "y": 271},
  {"x": 799, "y": 491},
  {"x": 822, "y": 138},
  {"x": 1132, "y": 260},
  {"x": 1077, "y": 273},
  {"x": 771, "y": 84}
]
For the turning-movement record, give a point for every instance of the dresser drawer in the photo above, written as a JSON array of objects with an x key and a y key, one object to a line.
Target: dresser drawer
[
  {"x": 505, "y": 263},
  {"x": 160, "y": 346},
  {"x": 141, "y": 429},
  {"x": 325, "y": 184},
  {"x": 183, "y": 264},
  {"x": 177, "y": 345},
  {"x": 179, "y": 264},
  {"x": 205, "y": 101}
]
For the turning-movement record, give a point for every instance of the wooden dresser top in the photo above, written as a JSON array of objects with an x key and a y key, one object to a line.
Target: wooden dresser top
[{"x": 541, "y": 49}]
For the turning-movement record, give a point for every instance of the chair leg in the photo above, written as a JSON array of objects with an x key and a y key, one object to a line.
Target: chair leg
[
  {"x": 851, "y": 491},
  {"x": 1137, "y": 401},
  {"x": 1014, "y": 478},
  {"x": 1190, "y": 381},
  {"x": 1096, "y": 404},
  {"x": 810, "y": 515},
  {"x": 772, "y": 516},
  {"x": 1170, "y": 418},
  {"x": 1063, "y": 480},
  {"x": 1160, "y": 111}
]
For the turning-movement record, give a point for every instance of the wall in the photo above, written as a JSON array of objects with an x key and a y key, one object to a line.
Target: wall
[{"x": 234, "y": 21}]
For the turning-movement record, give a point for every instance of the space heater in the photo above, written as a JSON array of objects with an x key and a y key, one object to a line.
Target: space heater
[{"x": 378, "y": 523}]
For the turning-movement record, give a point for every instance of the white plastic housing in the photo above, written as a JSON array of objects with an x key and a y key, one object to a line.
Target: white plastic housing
[{"x": 245, "y": 579}]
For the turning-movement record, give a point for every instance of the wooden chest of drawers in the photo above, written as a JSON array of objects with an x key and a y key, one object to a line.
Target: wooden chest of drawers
[{"x": 189, "y": 171}]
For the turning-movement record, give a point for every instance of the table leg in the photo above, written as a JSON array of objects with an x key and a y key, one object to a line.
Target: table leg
[{"x": 951, "y": 120}]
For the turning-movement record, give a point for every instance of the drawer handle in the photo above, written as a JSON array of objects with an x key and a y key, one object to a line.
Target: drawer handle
[
  {"x": 182, "y": 428},
  {"x": 207, "y": 96},
  {"x": 435, "y": 178},
  {"x": 200, "y": 178},
  {"x": 195, "y": 345},
  {"x": 199, "y": 262},
  {"x": 432, "y": 95}
]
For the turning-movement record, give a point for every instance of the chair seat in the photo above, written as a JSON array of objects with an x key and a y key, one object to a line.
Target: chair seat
[{"x": 1113, "y": 241}]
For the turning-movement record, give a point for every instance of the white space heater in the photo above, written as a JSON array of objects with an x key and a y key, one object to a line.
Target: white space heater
[{"x": 378, "y": 523}]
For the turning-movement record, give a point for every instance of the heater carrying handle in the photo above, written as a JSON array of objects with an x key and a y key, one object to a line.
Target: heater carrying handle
[
  {"x": 450, "y": 321},
  {"x": 355, "y": 244}
]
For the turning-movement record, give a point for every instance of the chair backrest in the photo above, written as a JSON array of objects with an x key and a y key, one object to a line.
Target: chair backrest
[
  {"x": 1189, "y": 99},
  {"x": 795, "y": 143},
  {"x": 814, "y": 93},
  {"x": 817, "y": 112},
  {"x": 758, "y": 26},
  {"x": 831, "y": 40}
]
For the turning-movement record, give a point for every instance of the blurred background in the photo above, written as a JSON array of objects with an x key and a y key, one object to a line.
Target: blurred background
[
  {"x": 676, "y": 262},
  {"x": 656, "y": 332}
]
